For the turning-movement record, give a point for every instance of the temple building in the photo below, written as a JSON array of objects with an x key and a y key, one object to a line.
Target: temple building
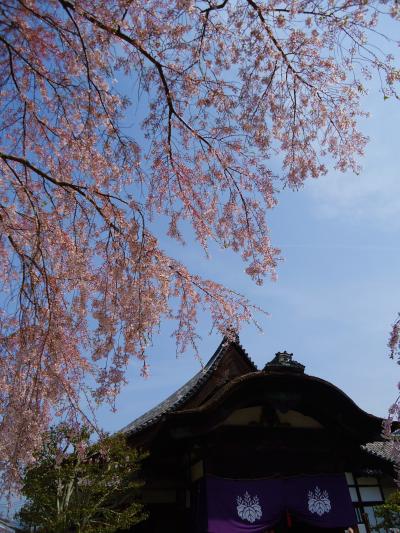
[{"x": 237, "y": 449}]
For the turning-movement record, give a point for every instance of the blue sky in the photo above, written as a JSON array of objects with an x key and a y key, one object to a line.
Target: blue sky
[{"x": 337, "y": 289}]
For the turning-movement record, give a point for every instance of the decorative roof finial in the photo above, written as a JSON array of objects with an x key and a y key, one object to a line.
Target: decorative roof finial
[{"x": 283, "y": 362}]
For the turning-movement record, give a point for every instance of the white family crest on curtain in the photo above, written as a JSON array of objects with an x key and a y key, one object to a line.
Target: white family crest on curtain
[
  {"x": 249, "y": 508},
  {"x": 318, "y": 501}
]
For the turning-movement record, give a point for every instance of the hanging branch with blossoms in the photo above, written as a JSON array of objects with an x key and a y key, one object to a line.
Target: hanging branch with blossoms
[
  {"x": 394, "y": 340},
  {"x": 394, "y": 411},
  {"x": 223, "y": 87}
]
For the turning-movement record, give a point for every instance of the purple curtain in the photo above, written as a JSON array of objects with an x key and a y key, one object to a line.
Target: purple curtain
[
  {"x": 252, "y": 506},
  {"x": 238, "y": 506},
  {"x": 321, "y": 501}
]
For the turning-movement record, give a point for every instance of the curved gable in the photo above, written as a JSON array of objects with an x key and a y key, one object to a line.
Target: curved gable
[
  {"x": 229, "y": 361},
  {"x": 282, "y": 391}
]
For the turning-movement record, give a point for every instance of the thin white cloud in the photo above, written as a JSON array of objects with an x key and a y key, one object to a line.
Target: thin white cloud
[{"x": 374, "y": 195}]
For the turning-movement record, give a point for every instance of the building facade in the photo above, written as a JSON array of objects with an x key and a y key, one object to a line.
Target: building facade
[{"x": 241, "y": 449}]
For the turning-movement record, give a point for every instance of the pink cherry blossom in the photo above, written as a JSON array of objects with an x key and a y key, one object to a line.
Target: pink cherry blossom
[{"x": 114, "y": 113}]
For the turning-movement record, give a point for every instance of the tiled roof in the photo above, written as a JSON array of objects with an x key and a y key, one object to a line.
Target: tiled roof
[
  {"x": 177, "y": 399},
  {"x": 387, "y": 449}
]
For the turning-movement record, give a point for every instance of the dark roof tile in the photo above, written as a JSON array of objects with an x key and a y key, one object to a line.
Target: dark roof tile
[{"x": 387, "y": 450}]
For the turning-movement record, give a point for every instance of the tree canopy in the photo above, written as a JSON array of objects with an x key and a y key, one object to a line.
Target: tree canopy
[
  {"x": 388, "y": 514},
  {"x": 223, "y": 87},
  {"x": 82, "y": 487}
]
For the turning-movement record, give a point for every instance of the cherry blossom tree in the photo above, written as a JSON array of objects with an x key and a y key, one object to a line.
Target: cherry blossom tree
[
  {"x": 394, "y": 340},
  {"x": 394, "y": 411},
  {"x": 223, "y": 86}
]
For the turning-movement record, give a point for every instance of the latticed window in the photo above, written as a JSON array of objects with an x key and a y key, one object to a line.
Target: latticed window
[{"x": 365, "y": 492}]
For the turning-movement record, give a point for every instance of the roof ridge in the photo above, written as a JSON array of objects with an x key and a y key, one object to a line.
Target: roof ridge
[
  {"x": 172, "y": 402},
  {"x": 250, "y": 360}
]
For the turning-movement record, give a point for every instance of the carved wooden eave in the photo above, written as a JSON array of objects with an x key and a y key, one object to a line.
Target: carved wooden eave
[
  {"x": 325, "y": 402},
  {"x": 230, "y": 380},
  {"x": 228, "y": 362}
]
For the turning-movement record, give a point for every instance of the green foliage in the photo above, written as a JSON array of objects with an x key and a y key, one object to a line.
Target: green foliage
[
  {"x": 388, "y": 514},
  {"x": 75, "y": 486}
]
